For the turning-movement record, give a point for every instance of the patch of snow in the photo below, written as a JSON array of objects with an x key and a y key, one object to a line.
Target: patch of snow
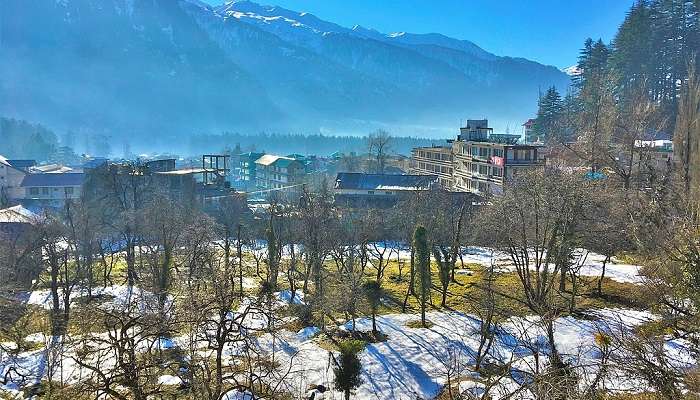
[
  {"x": 308, "y": 332},
  {"x": 169, "y": 380}
]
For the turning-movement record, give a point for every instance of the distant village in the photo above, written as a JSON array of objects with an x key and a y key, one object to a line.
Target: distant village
[{"x": 478, "y": 162}]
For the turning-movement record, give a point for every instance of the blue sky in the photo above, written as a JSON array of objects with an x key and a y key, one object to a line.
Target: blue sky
[{"x": 547, "y": 31}]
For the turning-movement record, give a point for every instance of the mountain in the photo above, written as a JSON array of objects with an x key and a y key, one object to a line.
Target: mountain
[{"x": 164, "y": 69}]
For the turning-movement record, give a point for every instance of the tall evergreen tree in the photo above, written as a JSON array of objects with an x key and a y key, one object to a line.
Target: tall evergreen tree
[
  {"x": 548, "y": 115},
  {"x": 687, "y": 137},
  {"x": 422, "y": 257},
  {"x": 632, "y": 51}
]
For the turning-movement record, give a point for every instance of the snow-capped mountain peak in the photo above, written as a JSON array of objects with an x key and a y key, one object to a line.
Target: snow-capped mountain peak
[{"x": 573, "y": 70}]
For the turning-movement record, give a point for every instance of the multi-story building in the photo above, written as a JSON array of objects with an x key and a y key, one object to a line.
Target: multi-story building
[
  {"x": 10, "y": 180},
  {"x": 434, "y": 160},
  {"x": 275, "y": 172},
  {"x": 481, "y": 162},
  {"x": 245, "y": 170}
]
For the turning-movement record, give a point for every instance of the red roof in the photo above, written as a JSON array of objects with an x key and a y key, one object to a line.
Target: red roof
[{"x": 529, "y": 123}]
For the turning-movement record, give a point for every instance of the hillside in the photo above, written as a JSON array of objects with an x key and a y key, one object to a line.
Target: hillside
[{"x": 168, "y": 69}]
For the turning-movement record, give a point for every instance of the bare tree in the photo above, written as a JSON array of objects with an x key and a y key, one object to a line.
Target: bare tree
[{"x": 379, "y": 148}]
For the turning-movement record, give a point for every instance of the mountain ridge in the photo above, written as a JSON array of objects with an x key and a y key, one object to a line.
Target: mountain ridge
[{"x": 135, "y": 67}]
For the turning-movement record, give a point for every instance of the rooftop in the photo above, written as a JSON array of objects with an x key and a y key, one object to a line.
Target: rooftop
[
  {"x": 22, "y": 163},
  {"x": 187, "y": 171},
  {"x": 17, "y": 215},
  {"x": 360, "y": 181},
  {"x": 53, "y": 179},
  {"x": 269, "y": 159}
]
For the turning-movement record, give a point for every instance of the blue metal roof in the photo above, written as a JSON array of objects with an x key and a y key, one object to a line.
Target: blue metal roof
[
  {"x": 49, "y": 179},
  {"x": 360, "y": 181}
]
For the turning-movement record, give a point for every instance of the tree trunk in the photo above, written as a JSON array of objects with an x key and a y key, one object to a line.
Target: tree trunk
[
  {"x": 239, "y": 249},
  {"x": 602, "y": 276},
  {"x": 374, "y": 323}
]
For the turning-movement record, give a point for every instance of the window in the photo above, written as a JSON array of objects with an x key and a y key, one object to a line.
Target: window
[
  {"x": 483, "y": 170},
  {"x": 34, "y": 191},
  {"x": 45, "y": 191},
  {"x": 370, "y": 192},
  {"x": 69, "y": 191}
]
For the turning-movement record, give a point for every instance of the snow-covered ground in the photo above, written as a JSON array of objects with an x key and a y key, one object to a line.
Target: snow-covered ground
[
  {"x": 412, "y": 362},
  {"x": 592, "y": 264}
]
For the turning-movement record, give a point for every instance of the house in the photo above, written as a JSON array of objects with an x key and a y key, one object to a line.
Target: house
[
  {"x": 50, "y": 189},
  {"x": 275, "y": 172},
  {"x": 359, "y": 189},
  {"x": 10, "y": 180},
  {"x": 15, "y": 220}
]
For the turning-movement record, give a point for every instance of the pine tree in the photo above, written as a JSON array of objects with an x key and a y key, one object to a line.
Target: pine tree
[
  {"x": 687, "y": 137},
  {"x": 422, "y": 256},
  {"x": 373, "y": 293},
  {"x": 348, "y": 368},
  {"x": 548, "y": 115},
  {"x": 632, "y": 52}
]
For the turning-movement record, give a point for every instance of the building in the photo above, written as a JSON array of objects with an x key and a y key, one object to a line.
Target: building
[
  {"x": 480, "y": 161},
  {"x": 359, "y": 189},
  {"x": 10, "y": 180},
  {"x": 275, "y": 172},
  {"x": 50, "y": 189},
  {"x": 24, "y": 165},
  {"x": 528, "y": 131},
  {"x": 245, "y": 170},
  {"x": 485, "y": 163},
  {"x": 15, "y": 220},
  {"x": 652, "y": 158},
  {"x": 434, "y": 160}
]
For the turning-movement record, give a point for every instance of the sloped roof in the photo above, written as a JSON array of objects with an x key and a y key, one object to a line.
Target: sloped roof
[
  {"x": 269, "y": 159},
  {"x": 22, "y": 163},
  {"x": 17, "y": 214},
  {"x": 360, "y": 181},
  {"x": 64, "y": 179},
  {"x": 50, "y": 168}
]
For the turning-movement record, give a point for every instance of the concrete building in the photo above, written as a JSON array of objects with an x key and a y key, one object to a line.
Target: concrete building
[
  {"x": 245, "y": 170},
  {"x": 378, "y": 190},
  {"x": 50, "y": 189},
  {"x": 434, "y": 160},
  {"x": 275, "y": 172},
  {"x": 10, "y": 181},
  {"x": 480, "y": 161}
]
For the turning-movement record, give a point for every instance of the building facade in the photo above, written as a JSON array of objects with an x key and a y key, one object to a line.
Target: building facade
[
  {"x": 51, "y": 189},
  {"x": 10, "y": 182},
  {"x": 478, "y": 161},
  {"x": 378, "y": 190},
  {"x": 434, "y": 160},
  {"x": 276, "y": 172}
]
